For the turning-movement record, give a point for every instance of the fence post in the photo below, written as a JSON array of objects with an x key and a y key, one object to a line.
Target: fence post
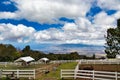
[
  {"x": 75, "y": 74},
  {"x": 61, "y": 74},
  {"x": 116, "y": 76},
  {"x": 80, "y": 62},
  {"x": 5, "y": 64},
  {"x": 34, "y": 73},
  {"x": 0, "y": 74},
  {"x": 17, "y": 73},
  {"x": 93, "y": 74}
]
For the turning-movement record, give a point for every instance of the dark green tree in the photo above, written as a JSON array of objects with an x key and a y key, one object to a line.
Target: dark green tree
[
  {"x": 8, "y": 52},
  {"x": 26, "y": 51},
  {"x": 93, "y": 57},
  {"x": 74, "y": 55},
  {"x": 112, "y": 47}
]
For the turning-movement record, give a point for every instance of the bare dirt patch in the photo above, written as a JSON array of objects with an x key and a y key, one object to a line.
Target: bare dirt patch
[{"x": 102, "y": 67}]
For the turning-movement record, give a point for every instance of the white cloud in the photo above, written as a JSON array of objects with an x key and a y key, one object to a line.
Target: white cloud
[
  {"x": 48, "y": 11},
  {"x": 70, "y": 27},
  {"x": 78, "y": 32},
  {"x": 117, "y": 15},
  {"x": 18, "y": 33},
  {"x": 103, "y": 19},
  {"x": 82, "y": 31},
  {"x": 50, "y": 35},
  {"x": 8, "y": 15},
  {"x": 109, "y": 5},
  {"x": 84, "y": 24}
]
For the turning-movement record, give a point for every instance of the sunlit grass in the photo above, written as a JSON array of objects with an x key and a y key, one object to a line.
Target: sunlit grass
[
  {"x": 52, "y": 74},
  {"x": 33, "y": 66},
  {"x": 56, "y": 74}
]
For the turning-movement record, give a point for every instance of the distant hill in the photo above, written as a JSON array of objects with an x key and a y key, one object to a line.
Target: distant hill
[
  {"x": 77, "y": 45},
  {"x": 66, "y": 48},
  {"x": 80, "y": 48}
]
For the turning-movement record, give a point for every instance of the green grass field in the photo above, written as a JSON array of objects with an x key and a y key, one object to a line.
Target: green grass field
[
  {"x": 56, "y": 74},
  {"x": 23, "y": 67},
  {"x": 52, "y": 74}
]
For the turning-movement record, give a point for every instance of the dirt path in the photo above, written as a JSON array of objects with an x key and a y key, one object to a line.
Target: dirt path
[{"x": 44, "y": 70}]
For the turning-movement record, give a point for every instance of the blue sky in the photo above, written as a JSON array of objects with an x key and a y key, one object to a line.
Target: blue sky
[{"x": 41, "y": 23}]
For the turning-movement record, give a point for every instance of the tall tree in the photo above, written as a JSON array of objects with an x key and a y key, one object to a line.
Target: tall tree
[
  {"x": 8, "y": 52},
  {"x": 112, "y": 47},
  {"x": 26, "y": 51}
]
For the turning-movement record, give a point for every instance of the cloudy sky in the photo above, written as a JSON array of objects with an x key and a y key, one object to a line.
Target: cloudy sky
[{"x": 35, "y": 22}]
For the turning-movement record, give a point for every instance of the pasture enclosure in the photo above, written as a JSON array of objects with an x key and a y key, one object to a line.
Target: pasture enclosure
[
  {"x": 18, "y": 73},
  {"x": 99, "y": 61},
  {"x": 92, "y": 73}
]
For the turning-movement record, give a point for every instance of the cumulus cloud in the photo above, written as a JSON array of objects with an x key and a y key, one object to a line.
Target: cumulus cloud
[
  {"x": 18, "y": 33},
  {"x": 70, "y": 27},
  {"x": 82, "y": 31},
  {"x": 48, "y": 11},
  {"x": 103, "y": 18},
  {"x": 117, "y": 15},
  {"x": 109, "y": 5},
  {"x": 51, "y": 35},
  {"x": 8, "y": 15}
]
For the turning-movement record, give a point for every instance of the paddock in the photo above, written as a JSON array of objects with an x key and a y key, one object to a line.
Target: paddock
[
  {"x": 93, "y": 70},
  {"x": 66, "y": 69}
]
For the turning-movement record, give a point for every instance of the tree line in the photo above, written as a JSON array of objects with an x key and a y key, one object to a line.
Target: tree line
[{"x": 9, "y": 53}]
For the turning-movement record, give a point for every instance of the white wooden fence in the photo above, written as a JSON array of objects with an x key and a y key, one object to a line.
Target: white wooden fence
[
  {"x": 90, "y": 74},
  {"x": 99, "y": 61},
  {"x": 18, "y": 73},
  {"x": 36, "y": 62},
  {"x": 63, "y": 61}
]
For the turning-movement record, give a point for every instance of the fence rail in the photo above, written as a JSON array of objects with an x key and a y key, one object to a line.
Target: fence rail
[
  {"x": 64, "y": 61},
  {"x": 18, "y": 73},
  {"x": 37, "y": 62},
  {"x": 90, "y": 74},
  {"x": 99, "y": 61}
]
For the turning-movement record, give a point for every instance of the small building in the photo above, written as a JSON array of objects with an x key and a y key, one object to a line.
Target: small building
[
  {"x": 45, "y": 60},
  {"x": 25, "y": 60}
]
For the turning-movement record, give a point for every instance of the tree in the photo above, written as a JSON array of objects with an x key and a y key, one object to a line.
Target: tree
[
  {"x": 93, "y": 57},
  {"x": 112, "y": 47},
  {"x": 8, "y": 52},
  {"x": 74, "y": 55},
  {"x": 26, "y": 51}
]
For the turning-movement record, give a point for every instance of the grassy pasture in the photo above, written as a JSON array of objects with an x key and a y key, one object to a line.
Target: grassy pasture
[
  {"x": 33, "y": 66},
  {"x": 53, "y": 74}
]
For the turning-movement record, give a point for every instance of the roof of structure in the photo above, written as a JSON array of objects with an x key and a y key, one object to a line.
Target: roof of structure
[
  {"x": 26, "y": 59},
  {"x": 45, "y": 59}
]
